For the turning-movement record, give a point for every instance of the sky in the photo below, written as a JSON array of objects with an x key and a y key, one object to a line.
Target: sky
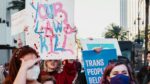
[{"x": 93, "y": 16}]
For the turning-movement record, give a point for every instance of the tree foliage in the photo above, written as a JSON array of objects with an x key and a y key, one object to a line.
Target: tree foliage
[{"x": 115, "y": 31}]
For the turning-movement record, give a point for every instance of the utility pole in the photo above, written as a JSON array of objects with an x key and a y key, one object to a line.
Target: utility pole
[{"x": 146, "y": 28}]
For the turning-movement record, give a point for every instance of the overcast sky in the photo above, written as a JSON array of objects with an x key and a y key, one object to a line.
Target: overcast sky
[{"x": 93, "y": 16}]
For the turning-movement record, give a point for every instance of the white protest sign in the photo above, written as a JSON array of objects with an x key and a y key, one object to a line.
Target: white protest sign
[
  {"x": 51, "y": 30},
  {"x": 18, "y": 22},
  {"x": 89, "y": 44}
]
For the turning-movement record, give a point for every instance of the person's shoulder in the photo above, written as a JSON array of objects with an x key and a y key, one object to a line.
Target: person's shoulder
[{"x": 144, "y": 68}]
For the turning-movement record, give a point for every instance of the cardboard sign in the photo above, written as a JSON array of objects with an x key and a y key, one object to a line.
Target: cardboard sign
[
  {"x": 95, "y": 63},
  {"x": 51, "y": 30}
]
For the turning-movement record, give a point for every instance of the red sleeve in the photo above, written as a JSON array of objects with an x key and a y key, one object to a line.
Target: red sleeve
[
  {"x": 43, "y": 73},
  {"x": 70, "y": 68},
  {"x": 70, "y": 71}
]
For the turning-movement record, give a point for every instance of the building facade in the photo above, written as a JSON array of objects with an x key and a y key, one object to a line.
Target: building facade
[
  {"x": 5, "y": 22},
  {"x": 6, "y": 40},
  {"x": 132, "y": 16}
]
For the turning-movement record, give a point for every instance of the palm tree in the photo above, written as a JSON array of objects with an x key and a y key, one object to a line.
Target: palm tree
[
  {"x": 17, "y": 4},
  {"x": 123, "y": 35},
  {"x": 115, "y": 31}
]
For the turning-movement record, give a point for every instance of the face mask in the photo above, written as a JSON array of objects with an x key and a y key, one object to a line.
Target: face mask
[
  {"x": 120, "y": 79},
  {"x": 149, "y": 64},
  {"x": 33, "y": 73}
]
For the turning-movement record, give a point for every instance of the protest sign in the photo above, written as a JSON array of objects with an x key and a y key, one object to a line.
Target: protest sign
[
  {"x": 95, "y": 63},
  {"x": 50, "y": 28},
  {"x": 88, "y": 44},
  {"x": 19, "y": 22}
]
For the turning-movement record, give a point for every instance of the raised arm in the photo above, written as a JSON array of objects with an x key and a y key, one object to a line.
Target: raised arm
[{"x": 25, "y": 65}]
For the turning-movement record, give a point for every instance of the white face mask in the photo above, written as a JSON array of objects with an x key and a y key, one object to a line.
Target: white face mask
[
  {"x": 33, "y": 73},
  {"x": 149, "y": 64}
]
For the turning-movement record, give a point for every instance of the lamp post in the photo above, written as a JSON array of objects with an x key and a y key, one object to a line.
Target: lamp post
[
  {"x": 139, "y": 26},
  {"x": 128, "y": 33},
  {"x": 139, "y": 21}
]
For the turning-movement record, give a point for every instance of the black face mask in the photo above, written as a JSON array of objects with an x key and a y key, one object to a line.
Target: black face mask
[{"x": 120, "y": 79}]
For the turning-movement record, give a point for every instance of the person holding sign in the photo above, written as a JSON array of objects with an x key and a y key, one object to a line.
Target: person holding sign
[
  {"x": 63, "y": 75},
  {"x": 144, "y": 74},
  {"x": 23, "y": 67},
  {"x": 117, "y": 73}
]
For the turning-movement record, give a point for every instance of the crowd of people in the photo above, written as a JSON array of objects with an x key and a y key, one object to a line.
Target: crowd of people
[{"x": 26, "y": 67}]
